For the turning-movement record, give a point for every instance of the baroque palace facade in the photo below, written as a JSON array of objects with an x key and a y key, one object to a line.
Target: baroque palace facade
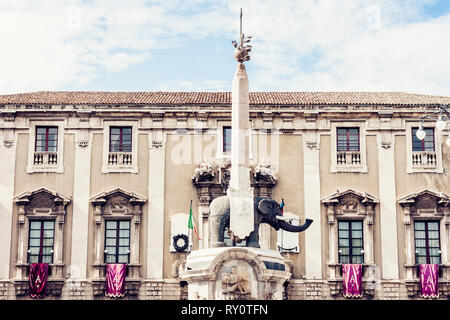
[{"x": 90, "y": 178}]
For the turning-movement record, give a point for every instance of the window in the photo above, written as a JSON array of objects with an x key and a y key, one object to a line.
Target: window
[
  {"x": 348, "y": 147},
  {"x": 117, "y": 241},
  {"x": 46, "y": 139},
  {"x": 426, "y": 144},
  {"x": 120, "y": 146},
  {"x": 427, "y": 242},
  {"x": 347, "y": 139},
  {"x": 40, "y": 241},
  {"x": 120, "y": 139},
  {"x": 350, "y": 238},
  {"x": 226, "y": 140}
]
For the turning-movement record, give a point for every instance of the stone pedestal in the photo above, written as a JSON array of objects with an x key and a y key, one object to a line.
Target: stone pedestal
[{"x": 235, "y": 273}]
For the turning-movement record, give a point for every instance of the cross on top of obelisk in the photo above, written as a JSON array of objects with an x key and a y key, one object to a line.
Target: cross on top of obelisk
[{"x": 242, "y": 51}]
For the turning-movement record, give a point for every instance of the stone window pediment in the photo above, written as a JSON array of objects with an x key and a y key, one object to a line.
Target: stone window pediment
[
  {"x": 425, "y": 204},
  {"x": 348, "y": 204},
  {"x": 118, "y": 203},
  {"x": 40, "y": 203}
]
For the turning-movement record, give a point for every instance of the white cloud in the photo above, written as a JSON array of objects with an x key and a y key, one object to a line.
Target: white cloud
[{"x": 313, "y": 45}]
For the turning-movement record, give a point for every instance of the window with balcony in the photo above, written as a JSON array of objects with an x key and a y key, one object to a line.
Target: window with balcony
[
  {"x": 347, "y": 143},
  {"x": 45, "y": 147},
  {"x": 117, "y": 221},
  {"x": 427, "y": 242},
  {"x": 120, "y": 147},
  {"x": 423, "y": 155},
  {"x": 40, "y": 241},
  {"x": 348, "y": 147},
  {"x": 40, "y": 237},
  {"x": 424, "y": 151}
]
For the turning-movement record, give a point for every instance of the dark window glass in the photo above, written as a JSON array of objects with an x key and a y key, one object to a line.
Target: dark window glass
[
  {"x": 46, "y": 139},
  {"x": 427, "y": 242},
  {"x": 350, "y": 242},
  {"x": 347, "y": 139},
  {"x": 40, "y": 241},
  {"x": 117, "y": 241},
  {"x": 226, "y": 139},
  {"x": 426, "y": 144},
  {"x": 120, "y": 139}
]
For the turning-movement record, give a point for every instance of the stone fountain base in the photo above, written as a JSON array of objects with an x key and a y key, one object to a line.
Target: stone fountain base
[{"x": 235, "y": 273}]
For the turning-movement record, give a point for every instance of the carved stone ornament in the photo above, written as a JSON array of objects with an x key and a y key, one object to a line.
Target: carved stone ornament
[
  {"x": 204, "y": 172},
  {"x": 235, "y": 283},
  {"x": 265, "y": 172}
]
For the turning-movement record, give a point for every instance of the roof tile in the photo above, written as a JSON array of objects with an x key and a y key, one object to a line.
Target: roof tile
[{"x": 187, "y": 98}]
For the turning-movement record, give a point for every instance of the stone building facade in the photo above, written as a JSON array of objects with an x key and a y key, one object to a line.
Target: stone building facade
[{"x": 77, "y": 167}]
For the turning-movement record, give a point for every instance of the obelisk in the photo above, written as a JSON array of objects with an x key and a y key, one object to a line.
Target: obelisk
[{"x": 239, "y": 190}]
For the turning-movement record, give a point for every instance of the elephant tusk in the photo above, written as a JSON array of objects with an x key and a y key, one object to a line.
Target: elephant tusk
[{"x": 284, "y": 218}]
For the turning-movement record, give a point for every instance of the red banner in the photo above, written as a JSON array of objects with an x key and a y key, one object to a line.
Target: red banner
[
  {"x": 115, "y": 280},
  {"x": 38, "y": 276},
  {"x": 429, "y": 280},
  {"x": 352, "y": 278}
]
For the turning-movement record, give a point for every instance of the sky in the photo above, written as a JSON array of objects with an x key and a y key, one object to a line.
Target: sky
[{"x": 174, "y": 45}]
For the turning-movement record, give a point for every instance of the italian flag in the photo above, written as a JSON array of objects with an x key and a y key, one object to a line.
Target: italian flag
[{"x": 191, "y": 224}]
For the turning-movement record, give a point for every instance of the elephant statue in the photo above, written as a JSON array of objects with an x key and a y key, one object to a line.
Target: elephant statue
[{"x": 266, "y": 211}]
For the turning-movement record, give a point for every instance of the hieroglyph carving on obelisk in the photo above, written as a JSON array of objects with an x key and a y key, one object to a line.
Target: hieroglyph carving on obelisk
[{"x": 239, "y": 190}]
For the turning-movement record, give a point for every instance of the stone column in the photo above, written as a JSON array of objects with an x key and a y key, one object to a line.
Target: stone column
[
  {"x": 239, "y": 191},
  {"x": 368, "y": 235},
  {"x": 155, "y": 222},
  {"x": 313, "y": 237},
  {"x": 80, "y": 204},
  {"x": 388, "y": 212},
  {"x": 331, "y": 240},
  {"x": 8, "y": 144}
]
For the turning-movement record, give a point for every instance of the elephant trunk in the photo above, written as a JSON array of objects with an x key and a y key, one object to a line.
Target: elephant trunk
[{"x": 291, "y": 228}]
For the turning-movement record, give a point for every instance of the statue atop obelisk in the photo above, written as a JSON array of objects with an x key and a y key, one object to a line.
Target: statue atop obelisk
[{"x": 239, "y": 190}]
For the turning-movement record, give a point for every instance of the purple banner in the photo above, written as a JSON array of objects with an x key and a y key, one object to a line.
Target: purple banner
[
  {"x": 429, "y": 280},
  {"x": 115, "y": 280},
  {"x": 38, "y": 275},
  {"x": 352, "y": 278}
]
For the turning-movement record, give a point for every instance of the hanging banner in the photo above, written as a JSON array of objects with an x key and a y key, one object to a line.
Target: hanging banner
[
  {"x": 352, "y": 278},
  {"x": 429, "y": 280},
  {"x": 115, "y": 280},
  {"x": 38, "y": 276}
]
